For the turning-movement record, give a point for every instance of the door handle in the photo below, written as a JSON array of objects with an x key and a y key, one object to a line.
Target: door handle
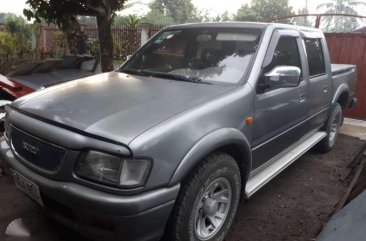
[
  {"x": 325, "y": 89},
  {"x": 302, "y": 98}
]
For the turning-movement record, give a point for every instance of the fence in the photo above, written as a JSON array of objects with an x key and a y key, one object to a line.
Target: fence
[
  {"x": 126, "y": 39},
  {"x": 350, "y": 48}
]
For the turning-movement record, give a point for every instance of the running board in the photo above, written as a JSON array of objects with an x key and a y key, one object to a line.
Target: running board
[{"x": 261, "y": 178}]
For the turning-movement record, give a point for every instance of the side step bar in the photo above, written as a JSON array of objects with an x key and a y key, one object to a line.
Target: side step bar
[{"x": 261, "y": 178}]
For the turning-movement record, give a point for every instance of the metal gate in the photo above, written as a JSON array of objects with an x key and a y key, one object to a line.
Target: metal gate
[{"x": 350, "y": 48}]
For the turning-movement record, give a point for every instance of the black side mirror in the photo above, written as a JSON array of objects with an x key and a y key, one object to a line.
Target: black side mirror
[{"x": 283, "y": 77}]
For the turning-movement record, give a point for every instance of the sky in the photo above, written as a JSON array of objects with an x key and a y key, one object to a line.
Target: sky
[{"x": 214, "y": 7}]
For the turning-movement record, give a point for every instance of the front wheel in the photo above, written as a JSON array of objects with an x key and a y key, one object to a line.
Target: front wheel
[
  {"x": 208, "y": 201},
  {"x": 331, "y": 127}
]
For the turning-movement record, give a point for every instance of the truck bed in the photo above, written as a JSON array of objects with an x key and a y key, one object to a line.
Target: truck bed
[
  {"x": 344, "y": 74},
  {"x": 341, "y": 68}
]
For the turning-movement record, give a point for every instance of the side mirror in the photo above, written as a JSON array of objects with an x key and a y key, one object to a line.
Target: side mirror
[{"x": 283, "y": 77}]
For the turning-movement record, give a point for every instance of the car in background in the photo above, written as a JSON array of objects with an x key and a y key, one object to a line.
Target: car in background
[{"x": 30, "y": 77}]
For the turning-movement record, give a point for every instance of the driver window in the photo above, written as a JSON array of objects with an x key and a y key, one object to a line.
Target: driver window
[{"x": 285, "y": 54}]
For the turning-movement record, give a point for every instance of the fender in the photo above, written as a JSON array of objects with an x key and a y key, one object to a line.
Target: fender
[
  {"x": 340, "y": 90},
  {"x": 209, "y": 143}
]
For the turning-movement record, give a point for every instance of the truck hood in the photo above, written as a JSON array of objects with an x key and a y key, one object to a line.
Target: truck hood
[{"x": 115, "y": 105}]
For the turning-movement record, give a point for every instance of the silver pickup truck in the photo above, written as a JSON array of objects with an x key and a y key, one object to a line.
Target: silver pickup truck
[{"x": 200, "y": 117}]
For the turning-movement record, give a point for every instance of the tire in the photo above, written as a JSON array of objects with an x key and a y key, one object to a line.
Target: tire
[
  {"x": 218, "y": 174},
  {"x": 331, "y": 127}
]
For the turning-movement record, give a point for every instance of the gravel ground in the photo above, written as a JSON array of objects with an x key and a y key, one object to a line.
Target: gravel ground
[{"x": 292, "y": 207}]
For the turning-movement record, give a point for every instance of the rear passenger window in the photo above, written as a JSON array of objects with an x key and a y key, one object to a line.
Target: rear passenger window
[{"x": 315, "y": 57}]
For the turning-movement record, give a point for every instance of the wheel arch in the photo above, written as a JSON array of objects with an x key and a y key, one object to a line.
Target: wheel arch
[
  {"x": 228, "y": 140},
  {"x": 341, "y": 96}
]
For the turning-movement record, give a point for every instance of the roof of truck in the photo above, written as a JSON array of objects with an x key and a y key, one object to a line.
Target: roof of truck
[{"x": 242, "y": 25}]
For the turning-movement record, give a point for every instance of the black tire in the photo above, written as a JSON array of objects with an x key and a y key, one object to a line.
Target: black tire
[
  {"x": 213, "y": 169},
  {"x": 334, "y": 121}
]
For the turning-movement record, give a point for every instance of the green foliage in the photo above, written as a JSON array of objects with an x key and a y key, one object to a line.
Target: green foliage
[
  {"x": 155, "y": 17},
  {"x": 12, "y": 49},
  {"x": 303, "y": 21},
  {"x": 9, "y": 46},
  {"x": 118, "y": 50},
  {"x": 171, "y": 11},
  {"x": 15, "y": 42},
  {"x": 87, "y": 20},
  {"x": 17, "y": 26},
  {"x": 4, "y": 16},
  {"x": 94, "y": 47},
  {"x": 130, "y": 20},
  {"x": 341, "y": 23},
  {"x": 264, "y": 10},
  {"x": 76, "y": 39},
  {"x": 64, "y": 13},
  {"x": 218, "y": 18}
]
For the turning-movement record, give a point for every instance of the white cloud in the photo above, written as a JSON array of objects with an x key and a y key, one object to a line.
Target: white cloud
[{"x": 14, "y": 6}]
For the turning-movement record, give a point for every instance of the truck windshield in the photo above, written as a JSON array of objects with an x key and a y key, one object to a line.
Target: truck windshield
[{"x": 197, "y": 55}]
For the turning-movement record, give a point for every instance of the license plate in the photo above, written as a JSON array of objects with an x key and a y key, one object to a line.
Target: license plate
[{"x": 27, "y": 186}]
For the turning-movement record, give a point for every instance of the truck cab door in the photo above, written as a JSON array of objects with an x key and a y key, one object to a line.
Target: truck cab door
[
  {"x": 279, "y": 112},
  {"x": 319, "y": 77}
]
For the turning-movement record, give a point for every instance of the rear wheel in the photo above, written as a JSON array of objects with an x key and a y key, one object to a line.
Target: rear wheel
[
  {"x": 208, "y": 201},
  {"x": 332, "y": 127}
]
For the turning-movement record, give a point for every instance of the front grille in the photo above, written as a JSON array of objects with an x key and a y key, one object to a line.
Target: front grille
[{"x": 36, "y": 151}]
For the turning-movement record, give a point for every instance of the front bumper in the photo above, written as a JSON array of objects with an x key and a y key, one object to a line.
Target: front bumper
[{"x": 99, "y": 215}]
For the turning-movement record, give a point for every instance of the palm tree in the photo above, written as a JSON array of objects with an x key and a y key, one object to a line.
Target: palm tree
[{"x": 341, "y": 23}]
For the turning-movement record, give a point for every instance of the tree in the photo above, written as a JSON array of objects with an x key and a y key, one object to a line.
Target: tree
[
  {"x": 303, "y": 21},
  {"x": 155, "y": 17},
  {"x": 87, "y": 20},
  {"x": 264, "y": 10},
  {"x": 172, "y": 11},
  {"x": 64, "y": 13},
  {"x": 130, "y": 20},
  {"x": 341, "y": 23},
  {"x": 218, "y": 18},
  {"x": 17, "y": 26},
  {"x": 4, "y": 16},
  {"x": 19, "y": 30}
]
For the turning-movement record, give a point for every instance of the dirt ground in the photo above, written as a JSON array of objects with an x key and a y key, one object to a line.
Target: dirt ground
[{"x": 292, "y": 207}]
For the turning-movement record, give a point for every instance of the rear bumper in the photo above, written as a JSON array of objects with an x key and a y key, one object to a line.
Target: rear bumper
[
  {"x": 99, "y": 215},
  {"x": 352, "y": 102}
]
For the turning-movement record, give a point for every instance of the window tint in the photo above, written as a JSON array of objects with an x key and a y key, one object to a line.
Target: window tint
[
  {"x": 285, "y": 54},
  {"x": 315, "y": 57}
]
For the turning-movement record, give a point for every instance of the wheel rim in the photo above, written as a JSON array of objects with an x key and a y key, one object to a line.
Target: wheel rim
[
  {"x": 212, "y": 208},
  {"x": 334, "y": 128}
]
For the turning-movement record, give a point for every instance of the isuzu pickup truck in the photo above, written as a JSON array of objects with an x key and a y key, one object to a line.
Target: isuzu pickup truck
[{"x": 200, "y": 117}]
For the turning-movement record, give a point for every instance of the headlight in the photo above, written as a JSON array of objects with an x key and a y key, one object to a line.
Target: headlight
[{"x": 114, "y": 170}]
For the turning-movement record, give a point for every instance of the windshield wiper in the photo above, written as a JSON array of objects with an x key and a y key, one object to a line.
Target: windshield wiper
[
  {"x": 165, "y": 75},
  {"x": 176, "y": 77}
]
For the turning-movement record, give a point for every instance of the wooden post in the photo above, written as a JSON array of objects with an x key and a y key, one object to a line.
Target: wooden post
[
  {"x": 44, "y": 32},
  {"x": 317, "y": 21}
]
